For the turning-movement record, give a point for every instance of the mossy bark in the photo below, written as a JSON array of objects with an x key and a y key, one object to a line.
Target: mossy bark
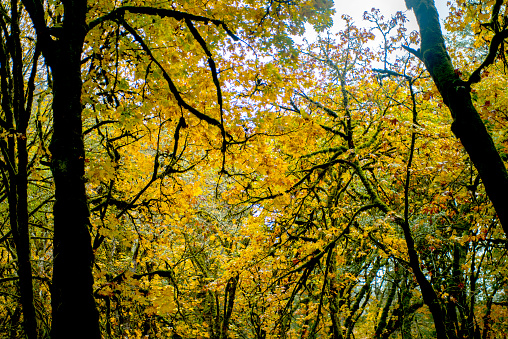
[{"x": 467, "y": 125}]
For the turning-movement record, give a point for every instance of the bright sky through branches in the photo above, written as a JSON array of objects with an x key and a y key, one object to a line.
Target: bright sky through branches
[{"x": 356, "y": 8}]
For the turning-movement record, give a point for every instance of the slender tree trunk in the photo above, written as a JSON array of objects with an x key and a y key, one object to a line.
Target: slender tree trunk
[
  {"x": 383, "y": 320},
  {"x": 430, "y": 297},
  {"x": 467, "y": 124},
  {"x": 335, "y": 328},
  {"x": 23, "y": 242},
  {"x": 361, "y": 296},
  {"x": 229, "y": 300}
]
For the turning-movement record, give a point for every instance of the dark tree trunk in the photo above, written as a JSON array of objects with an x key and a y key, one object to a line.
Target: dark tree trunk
[
  {"x": 383, "y": 320},
  {"x": 73, "y": 305},
  {"x": 467, "y": 124},
  {"x": 72, "y": 295}
]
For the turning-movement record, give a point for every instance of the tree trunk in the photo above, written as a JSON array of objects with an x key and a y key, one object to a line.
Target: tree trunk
[
  {"x": 429, "y": 296},
  {"x": 229, "y": 299},
  {"x": 467, "y": 124},
  {"x": 72, "y": 295},
  {"x": 383, "y": 320},
  {"x": 73, "y": 305}
]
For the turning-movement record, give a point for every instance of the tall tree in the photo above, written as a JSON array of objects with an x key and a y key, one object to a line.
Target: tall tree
[
  {"x": 73, "y": 305},
  {"x": 467, "y": 124}
]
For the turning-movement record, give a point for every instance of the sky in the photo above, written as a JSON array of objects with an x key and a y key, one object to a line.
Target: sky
[{"x": 355, "y": 9}]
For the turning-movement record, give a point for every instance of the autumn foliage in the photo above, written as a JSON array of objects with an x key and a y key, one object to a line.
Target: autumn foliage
[{"x": 187, "y": 170}]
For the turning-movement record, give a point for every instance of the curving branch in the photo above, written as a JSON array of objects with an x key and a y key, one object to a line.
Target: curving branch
[
  {"x": 171, "y": 84},
  {"x": 36, "y": 11},
  {"x": 496, "y": 41},
  {"x": 215, "y": 77},
  {"x": 161, "y": 12}
]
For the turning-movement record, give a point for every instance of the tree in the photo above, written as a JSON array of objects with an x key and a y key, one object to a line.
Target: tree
[{"x": 467, "y": 124}]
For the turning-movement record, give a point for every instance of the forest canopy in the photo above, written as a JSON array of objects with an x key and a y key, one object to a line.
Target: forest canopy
[{"x": 189, "y": 169}]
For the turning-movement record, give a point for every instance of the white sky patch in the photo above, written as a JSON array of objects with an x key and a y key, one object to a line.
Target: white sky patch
[{"x": 356, "y": 8}]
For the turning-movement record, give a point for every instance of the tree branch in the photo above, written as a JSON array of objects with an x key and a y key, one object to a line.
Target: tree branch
[{"x": 161, "y": 12}]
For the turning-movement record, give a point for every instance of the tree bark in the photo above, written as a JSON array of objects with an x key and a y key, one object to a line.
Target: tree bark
[
  {"x": 383, "y": 320},
  {"x": 467, "y": 125}
]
